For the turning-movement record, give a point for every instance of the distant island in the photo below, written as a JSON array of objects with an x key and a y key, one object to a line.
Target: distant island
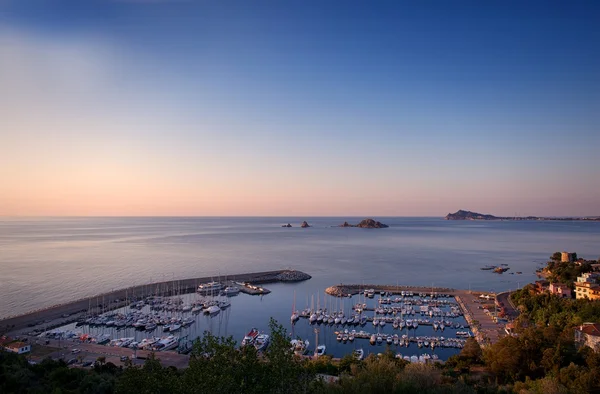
[
  {"x": 365, "y": 223},
  {"x": 468, "y": 215}
]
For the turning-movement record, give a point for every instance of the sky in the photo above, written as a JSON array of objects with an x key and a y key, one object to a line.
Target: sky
[{"x": 292, "y": 108}]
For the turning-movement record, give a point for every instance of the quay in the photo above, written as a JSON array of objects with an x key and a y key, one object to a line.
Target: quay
[
  {"x": 69, "y": 312},
  {"x": 342, "y": 290}
]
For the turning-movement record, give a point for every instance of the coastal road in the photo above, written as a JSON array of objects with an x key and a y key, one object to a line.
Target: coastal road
[{"x": 503, "y": 298}]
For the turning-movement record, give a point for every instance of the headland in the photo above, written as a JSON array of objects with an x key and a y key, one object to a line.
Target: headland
[{"x": 468, "y": 215}]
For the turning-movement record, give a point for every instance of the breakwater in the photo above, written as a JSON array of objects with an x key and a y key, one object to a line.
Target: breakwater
[
  {"x": 70, "y": 311},
  {"x": 342, "y": 290}
]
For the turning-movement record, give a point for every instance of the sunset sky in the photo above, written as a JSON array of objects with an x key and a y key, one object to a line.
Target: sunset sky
[{"x": 193, "y": 107}]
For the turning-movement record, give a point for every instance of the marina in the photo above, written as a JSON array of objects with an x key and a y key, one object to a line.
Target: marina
[{"x": 426, "y": 326}]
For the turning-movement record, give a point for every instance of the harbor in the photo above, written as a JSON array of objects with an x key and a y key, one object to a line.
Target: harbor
[{"x": 417, "y": 323}]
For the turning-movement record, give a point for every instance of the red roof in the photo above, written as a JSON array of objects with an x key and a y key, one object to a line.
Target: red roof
[
  {"x": 16, "y": 345},
  {"x": 590, "y": 329}
]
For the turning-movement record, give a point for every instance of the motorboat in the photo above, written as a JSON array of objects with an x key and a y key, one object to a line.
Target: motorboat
[
  {"x": 166, "y": 343},
  {"x": 358, "y": 354},
  {"x": 250, "y": 337},
  {"x": 231, "y": 291},
  {"x": 261, "y": 342},
  {"x": 321, "y": 350},
  {"x": 174, "y": 327},
  {"x": 299, "y": 347},
  {"x": 224, "y": 304},
  {"x": 212, "y": 310}
]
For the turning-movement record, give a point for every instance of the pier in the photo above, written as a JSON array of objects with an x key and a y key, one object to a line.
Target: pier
[{"x": 58, "y": 315}]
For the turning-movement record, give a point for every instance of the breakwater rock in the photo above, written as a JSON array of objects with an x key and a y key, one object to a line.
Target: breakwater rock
[
  {"x": 292, "y": 276},
  {"x": 351, "y": 289}
]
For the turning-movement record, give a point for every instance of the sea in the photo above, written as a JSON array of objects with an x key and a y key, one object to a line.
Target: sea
[{"x": 48, "y": 261}]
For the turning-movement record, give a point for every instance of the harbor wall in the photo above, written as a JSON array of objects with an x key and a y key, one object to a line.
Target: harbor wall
[{"x": 57, "y": 314}]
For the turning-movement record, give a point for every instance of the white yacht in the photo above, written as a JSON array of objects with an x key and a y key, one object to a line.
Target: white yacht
[
  {"x": 231, "y": 291},
  {"x": 210, "y": 287},
  {"x": 261, "y": 342},
  {"x": 166, "y": 343}
]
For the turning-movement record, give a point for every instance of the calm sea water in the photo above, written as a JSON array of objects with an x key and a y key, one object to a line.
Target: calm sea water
[{"x": 54, "y": 260}]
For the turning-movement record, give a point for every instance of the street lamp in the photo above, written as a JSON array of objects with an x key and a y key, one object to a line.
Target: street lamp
[{"x": 316, "y": 343}]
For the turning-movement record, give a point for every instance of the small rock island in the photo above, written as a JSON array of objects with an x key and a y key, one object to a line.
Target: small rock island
[
  {"x": 365, "y": 223},
  {"x": 304, "y": 224},
  {"x": 286, "y": 225}
]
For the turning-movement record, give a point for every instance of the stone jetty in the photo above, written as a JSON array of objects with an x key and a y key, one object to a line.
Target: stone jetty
[{"x": 342, "y": 290}]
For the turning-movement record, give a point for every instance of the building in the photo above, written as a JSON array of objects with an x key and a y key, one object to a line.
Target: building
[
  {"x": 18, "y": 347},
  {"x": 541, "y": 285},
  {"x": 566, "y": 257},
  {"x": 588, "y": 277},
  {"x": 586, "y": 290},
  {"x": 560, "y": 289},
  {"x": 588, "y": 334}
]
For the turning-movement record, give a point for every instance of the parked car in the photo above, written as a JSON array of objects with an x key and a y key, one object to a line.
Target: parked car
[
  {"x": 88, "y": 364},
  {"x": 124, "y": 358},
  {"x": 72, "y": 361},
  {"x": 75, "y": 351}
]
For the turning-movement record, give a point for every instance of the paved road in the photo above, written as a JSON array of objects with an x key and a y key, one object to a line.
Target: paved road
[{"x": 511, "y": 312}]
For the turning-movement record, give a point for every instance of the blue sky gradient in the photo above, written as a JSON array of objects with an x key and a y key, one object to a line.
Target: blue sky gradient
[{"x": 306, "y": 107}]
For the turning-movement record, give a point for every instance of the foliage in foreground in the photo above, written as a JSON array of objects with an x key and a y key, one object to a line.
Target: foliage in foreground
[{"x": 542, "y": 359}]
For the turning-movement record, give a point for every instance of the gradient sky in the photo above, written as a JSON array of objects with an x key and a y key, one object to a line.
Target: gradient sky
[{"x": 407, "y": 108}]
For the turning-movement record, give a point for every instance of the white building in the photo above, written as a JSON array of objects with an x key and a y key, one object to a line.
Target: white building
[{"x": 18, "y": 347}]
